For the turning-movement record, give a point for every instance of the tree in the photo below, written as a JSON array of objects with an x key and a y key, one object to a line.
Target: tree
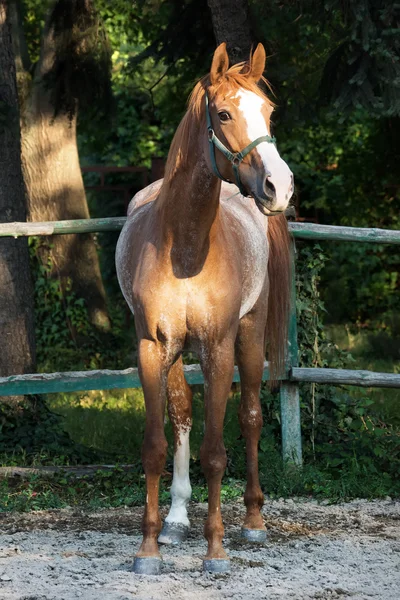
[
  {"x": 16, "y": 293},
  {"x": 232, "y": 25},
  {"x": 364, "y": 68},
  {"x": 73, "y": 69}
]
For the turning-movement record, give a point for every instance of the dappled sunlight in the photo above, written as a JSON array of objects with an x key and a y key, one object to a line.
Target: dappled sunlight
[
  {"x": 108, "y": 421},
  {"x": 113, "y": 421}
]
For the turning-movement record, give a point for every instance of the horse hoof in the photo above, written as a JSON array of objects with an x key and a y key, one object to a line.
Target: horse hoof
[
  {"x": 147, "y": 565},
  {"x": 217, "y": 565},
  {"x": 254, "y": 535},
  {"x": 173, "y": 533}
]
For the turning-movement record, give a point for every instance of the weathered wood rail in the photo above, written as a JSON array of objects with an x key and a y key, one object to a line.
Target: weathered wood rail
[
  {"x": 83, "y": 381},
  {"x": 305, "y": 231},
  {"x": 45, "y": 383}
]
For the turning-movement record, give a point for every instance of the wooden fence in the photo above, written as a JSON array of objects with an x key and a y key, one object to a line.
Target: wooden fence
[{"x": 46, "y": 383}]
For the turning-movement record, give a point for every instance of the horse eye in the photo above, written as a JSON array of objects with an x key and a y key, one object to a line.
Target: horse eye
[{"x": 224, "y": 116}]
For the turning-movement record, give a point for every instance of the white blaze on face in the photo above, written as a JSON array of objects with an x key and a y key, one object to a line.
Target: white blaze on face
[
  {"x": 250, "y": 105},
  {"x": 181, "y": 489}
]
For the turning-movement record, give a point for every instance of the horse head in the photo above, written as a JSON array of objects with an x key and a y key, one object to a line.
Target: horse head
[{"x": 241, "y": 148}]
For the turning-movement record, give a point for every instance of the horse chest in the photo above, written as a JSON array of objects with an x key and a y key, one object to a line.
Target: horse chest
[
  {"x": 229, "y": 283},
  {"x": 189, "y": 309}
]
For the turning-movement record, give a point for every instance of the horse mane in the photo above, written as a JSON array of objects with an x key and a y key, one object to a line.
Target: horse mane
[{"x": 194, "y": 119}]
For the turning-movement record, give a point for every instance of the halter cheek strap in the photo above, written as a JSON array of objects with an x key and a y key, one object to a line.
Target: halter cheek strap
[{"x": 235, "y": 158}]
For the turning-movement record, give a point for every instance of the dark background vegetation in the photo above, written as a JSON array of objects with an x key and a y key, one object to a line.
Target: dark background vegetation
[{"x": 334, "y": 68}]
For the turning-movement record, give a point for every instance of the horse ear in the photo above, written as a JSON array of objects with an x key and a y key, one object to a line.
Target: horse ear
[
  {"x": 257, "y": 65},
  {"x": 220, "y": 64}
]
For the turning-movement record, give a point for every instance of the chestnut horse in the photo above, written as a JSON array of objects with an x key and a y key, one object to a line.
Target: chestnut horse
[{"x": 205, "y": 269}]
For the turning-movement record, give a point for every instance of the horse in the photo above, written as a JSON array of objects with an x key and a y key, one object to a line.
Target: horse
[{"x": 206, "y": 268}]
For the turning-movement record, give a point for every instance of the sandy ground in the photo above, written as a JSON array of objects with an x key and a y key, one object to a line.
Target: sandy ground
[{"x": 313, "y": 552}]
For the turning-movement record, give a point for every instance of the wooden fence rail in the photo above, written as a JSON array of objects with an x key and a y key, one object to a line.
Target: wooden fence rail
[
  {"x": 305, "y": 231},
  {"x": 44, "y": 383},
  {"x": 81, "y": 381}
]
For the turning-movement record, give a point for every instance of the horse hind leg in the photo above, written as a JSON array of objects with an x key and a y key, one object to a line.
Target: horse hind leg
[
  {"x": 250, "y": 352},
  {"x": 176, "y": 525}
]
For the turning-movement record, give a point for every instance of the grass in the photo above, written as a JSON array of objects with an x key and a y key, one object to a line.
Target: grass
[
  {"x": 118, "y": 488},
  {"x": 112, "y": 424},
  {"x": 107, "y": 489}
]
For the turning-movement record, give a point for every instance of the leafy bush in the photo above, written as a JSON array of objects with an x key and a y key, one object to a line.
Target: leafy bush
[
  {"x": 348, "y": 448},
  {"x": 65, "y": 339}
]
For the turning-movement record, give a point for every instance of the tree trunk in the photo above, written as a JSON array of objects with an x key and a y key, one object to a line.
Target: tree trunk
[
  {"x": 55, "y": 187},
  {"x": 17, "y": 353},
  {"x": 232, "y": 25}
]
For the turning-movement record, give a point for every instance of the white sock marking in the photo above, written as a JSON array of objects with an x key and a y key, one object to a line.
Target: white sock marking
[{"x": 181, "y": 489}]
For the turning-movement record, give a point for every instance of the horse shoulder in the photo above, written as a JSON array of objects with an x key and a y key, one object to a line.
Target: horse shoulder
[{"x": 249, "y": 227}]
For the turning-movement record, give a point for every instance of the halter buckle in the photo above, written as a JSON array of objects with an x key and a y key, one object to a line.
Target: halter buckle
[{"x": 236, "y": 161}]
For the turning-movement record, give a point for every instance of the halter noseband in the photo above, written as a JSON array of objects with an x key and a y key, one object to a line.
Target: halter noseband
[{"x": 235, "y": 158}]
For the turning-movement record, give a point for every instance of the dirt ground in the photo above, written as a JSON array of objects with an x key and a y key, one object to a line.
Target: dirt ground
[{"x": 313, "y": 551}]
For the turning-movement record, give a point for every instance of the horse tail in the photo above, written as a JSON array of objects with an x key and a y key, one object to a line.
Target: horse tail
[{"x": 279, "y": 274}]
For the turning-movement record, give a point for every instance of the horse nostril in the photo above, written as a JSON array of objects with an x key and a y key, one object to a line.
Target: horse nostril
[{"x": 269, "y": 189}]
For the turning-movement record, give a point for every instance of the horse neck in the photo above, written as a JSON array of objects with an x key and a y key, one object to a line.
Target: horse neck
[{"x": 189, "y": 209}]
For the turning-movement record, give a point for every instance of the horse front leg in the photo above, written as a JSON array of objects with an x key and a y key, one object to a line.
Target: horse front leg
[
  {"x": 217, "y": 364},
  {"x": 250, "y": 346},
  {"x": 176, "y": 525},
  {"x": 153, "y": 375}
]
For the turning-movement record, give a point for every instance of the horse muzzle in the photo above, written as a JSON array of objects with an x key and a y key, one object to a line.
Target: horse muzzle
[
  {"x": 264, "y": 208},
  {"x": 269, "y": 199}
]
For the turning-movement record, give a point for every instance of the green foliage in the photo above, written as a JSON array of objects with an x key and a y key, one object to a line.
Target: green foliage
[
  {"x": 346, "y": 174},
  {"x": 60, "y": 316},
  {"x": 65, "y": 339},
  {"x": 105, "y": 489},
  {"x": 339, "y": 427},
  {"x": 364, "y": 70},
  {"x": 345, "y": 440}
]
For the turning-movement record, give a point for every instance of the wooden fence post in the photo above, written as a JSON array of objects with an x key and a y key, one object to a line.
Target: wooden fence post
[{"x": 289, "y": 391}]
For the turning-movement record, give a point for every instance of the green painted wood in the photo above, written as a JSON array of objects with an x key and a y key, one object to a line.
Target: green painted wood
[
  {"x": 358, "y": 378},
  {"x": 289, "y": 391},
  {"x": 305, "y": 231},
  {"x": 50, "y": 383},
  {"x": 79, "y": 381},
  {"x": 62, "y": 227},
  {"x": 309, "y": 231}
]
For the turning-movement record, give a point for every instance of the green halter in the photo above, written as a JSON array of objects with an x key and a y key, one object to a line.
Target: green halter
[{"x": 234, "y": 157}]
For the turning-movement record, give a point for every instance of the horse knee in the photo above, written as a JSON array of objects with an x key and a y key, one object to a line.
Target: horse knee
[
  {"x": 213, "y": 459},
  {"x": 154, "y": 453},
  {"x": 180, "y": 415},
  {"x": 250, "y": 420}
]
